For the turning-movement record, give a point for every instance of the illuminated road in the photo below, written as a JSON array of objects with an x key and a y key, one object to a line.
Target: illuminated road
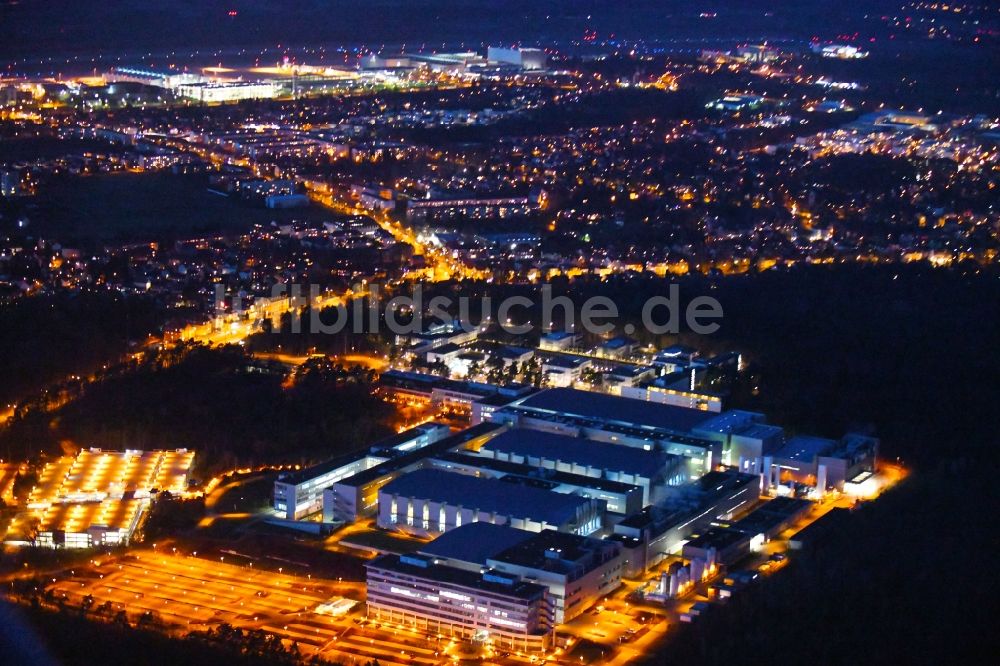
[
  {"x": 439, "y": 265},
  {"x": 364, "y": 360},
  {"x": 235, "y": 328}
]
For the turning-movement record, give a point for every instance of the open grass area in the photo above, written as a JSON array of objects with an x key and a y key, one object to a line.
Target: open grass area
[
  {"x": 145, "y": 207},
  {"x": 30, "y": 148},
  {"x": 384, "y": 541}
]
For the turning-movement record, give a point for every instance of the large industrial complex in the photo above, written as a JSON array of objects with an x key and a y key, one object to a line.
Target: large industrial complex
[
  {"x": 551, "y": 498},
  {"x": 436, "y": 333},
  {"x": 286, "y": 79}
]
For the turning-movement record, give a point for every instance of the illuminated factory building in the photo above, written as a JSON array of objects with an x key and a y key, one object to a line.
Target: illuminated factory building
[
  {"x": 552, "y": 497},
  {"x": 494, "y": 583},
  {"x": 528, "y": 59},
  {"x": 413, "y": 590},
  {"x": 298, "y": 494},
  {"x": 432, "y": 501},
  {"x": 578, "y": 570},
  {"x": 158, "y": 79},
  {"x": 219, "y": 92}
]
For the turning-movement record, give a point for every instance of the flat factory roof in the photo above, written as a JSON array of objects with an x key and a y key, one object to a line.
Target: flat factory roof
[
  {"x": 550, "y": 550},
  {"x": 717, "y": 537},
  {"x": 411, "y": 457},
  {"x": 804, "y": 448},
  {"x": 418, "y": 567},
  {"x": 493, "y": 495},
  {"x": 611, "y": 408},
  {"x": 543, "y": 477},
  {"x": 613, "y": 457},
  {"x": 475, "y": 542}
]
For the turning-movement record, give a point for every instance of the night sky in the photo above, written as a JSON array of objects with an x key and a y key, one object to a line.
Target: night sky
[{"x": 33, "y": 27}]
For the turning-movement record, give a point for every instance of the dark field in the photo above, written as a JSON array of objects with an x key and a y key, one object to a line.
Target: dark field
[
  {"x": 144, "y": 207},
  {"x": 17, "y": 149}
]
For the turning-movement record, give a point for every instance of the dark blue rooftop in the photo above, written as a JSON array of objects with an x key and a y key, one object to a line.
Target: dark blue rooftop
[
  {"x": 490, "y": 495},
  {"x": 475, "y": 542},
  {"x": 612, "y": 457},
  {"x": 612, "y": 408}
]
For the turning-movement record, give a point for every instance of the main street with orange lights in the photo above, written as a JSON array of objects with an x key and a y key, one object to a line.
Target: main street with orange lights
[
  {"x": 439, "y": 265},
  {"x": 236, "y": 327}
]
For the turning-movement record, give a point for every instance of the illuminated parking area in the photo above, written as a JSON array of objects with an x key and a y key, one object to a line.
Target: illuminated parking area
[
  {"x": 141, "y": 471},
  {"x": 81, "y": 525},
  {"x": 8, "y": 474},
  {"x": 173, "y": 469},
  {"x": 50, "y": 480},
  {"x": 187, "y": 593},
  {"x": 97, "y": 498},
  {"x": 94, "y": 475}
]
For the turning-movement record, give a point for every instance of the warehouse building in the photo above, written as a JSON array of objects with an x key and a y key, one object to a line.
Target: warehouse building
[
  {"x": 428, "y": 502},
  {"x": 616, "y": 420},
  {"x": 819, "y": 462},
  {"x": 663, "y": 529},
  {"x": 573, "y": 455},
  {"x": 621, "y": 498},
  {"x": 718, "y": 545}
]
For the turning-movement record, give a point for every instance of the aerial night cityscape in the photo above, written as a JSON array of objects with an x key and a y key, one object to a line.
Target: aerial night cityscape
[{"x": 419, "y": 332}]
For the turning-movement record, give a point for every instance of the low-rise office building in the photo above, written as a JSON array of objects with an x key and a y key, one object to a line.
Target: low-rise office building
[
  {"x": 300, "y": 493},
  {"x": 771, "y": 518},
  {"x": 558, "y": 341},
  {"x": 438, "y": 599},
  {"x": 622, "y": 377},
  {"x": 530, "y": 59},
  {"x": 456, "y": 395},
  {"x": 577, "y": 570},
  {"x": 743, "y": 435},
  {"x": 564, "y": 371},
  {"x": 357, "y": 495},
  {"x": 654, "y": 391}
]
